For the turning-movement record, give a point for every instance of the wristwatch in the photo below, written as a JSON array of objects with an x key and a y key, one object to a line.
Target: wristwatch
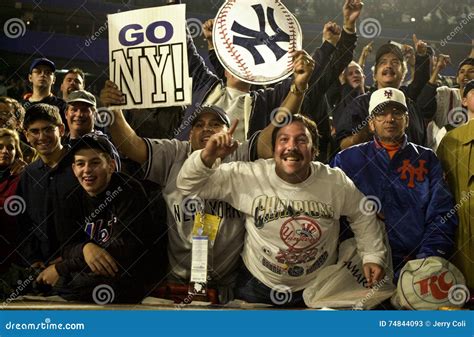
[{"x": 295, "y": 90}]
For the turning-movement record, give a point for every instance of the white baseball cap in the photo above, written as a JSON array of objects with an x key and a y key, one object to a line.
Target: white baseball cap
[{"x": 380, "y": 98}]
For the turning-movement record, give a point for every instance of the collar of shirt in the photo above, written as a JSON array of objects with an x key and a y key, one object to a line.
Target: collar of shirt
[
  {"x": 469, "y": 135},
  {"x": 378, "y": 144}
]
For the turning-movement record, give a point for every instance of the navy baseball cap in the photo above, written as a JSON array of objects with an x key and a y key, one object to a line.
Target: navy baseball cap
[
  {"x": 221, "y": 114},
  {"x": 467, "y": 60},
  {"x": 388, "y": 48},
  {"x": 42, "y": 61},
  {"x": 95, "y": 141},
  {"x": 469, "y": 86}
]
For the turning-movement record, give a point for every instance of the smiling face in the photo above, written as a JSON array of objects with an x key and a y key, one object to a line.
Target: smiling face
[
  {"x": 389, "y": 71},
  {"x": 293, "y": 153},
  {"x": 206, "y": 124},
  {"x": 80, "y": 118},
  {"x": 93, "y": 169},
  {"x": 465, "y": 74},
  {"x": 44, "y": 136},
  {"x": 7, "y": 151}
]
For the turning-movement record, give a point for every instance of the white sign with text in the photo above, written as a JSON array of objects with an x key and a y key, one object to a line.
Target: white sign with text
[{"x": 148, "y": 56}]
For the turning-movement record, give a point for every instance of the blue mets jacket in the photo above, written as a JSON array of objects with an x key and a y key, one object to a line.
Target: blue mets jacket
[{"x": 410, "y": 194}]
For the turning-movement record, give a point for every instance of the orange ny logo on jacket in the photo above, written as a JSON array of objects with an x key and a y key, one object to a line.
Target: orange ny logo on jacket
[{"x": 408, "y": 169}]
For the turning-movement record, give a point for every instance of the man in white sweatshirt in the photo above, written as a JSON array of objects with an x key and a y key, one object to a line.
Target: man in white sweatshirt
[
  {"x": 292, "y": 207},
  {"x": 163, "y": 159}
]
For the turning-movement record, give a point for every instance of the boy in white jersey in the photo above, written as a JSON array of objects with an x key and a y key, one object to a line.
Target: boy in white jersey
[{"x": 292, "y": 207}]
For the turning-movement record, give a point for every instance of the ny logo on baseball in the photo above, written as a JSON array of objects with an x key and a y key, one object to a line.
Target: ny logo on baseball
[{"x": 254, "y": 40}]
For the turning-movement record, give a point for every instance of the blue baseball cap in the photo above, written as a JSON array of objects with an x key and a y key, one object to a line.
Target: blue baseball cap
[{"x": 42, "y": 61}]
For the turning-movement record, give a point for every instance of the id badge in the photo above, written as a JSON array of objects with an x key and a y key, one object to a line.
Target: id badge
[
  {"x": 198, "y": 284},
  {"x": 206, "y": 225}
]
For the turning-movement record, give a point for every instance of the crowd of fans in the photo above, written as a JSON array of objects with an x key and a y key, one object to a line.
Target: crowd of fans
[{"x": 125, "y": 203}]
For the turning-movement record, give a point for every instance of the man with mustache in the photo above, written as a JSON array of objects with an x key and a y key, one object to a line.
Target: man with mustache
[
  {"x": 80, "y": 116},
  {"x": 406, "y": 180},
  {"x": 72, "y": 81},
  {"x": 292, "y": 207},
  {"x": 163, "y": 159},
  {"x": 390, "y": 70}
]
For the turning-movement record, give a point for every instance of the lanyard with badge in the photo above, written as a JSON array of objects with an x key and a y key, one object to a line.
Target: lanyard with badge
[{"x": 204, "y": 233}]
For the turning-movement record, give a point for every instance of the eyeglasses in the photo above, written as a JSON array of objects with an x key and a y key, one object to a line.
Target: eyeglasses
[
  {"x": 47, "y": 72},
  {"x": 48, "y": 131},
  {"x": 396, "y": 114}
]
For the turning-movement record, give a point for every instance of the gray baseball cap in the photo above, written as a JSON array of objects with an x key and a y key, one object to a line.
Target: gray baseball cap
[
  {"x": 215, "y": 110},
  {"x": 81, "y": 96}
]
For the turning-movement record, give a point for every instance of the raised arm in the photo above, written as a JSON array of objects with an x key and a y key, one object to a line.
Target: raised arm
[
  {"x": 421, "y": 72},
  {"x": 303, "y": 68},
  {"x": 219, "y": 70},
  {"x": 426, "y": 101},
  {"x": 365, "y": 53},
  {"x": 123, "y": 136},
  {"x": 202, "y": 173}
]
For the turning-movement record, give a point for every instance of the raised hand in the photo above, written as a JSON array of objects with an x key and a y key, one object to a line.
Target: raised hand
[
  {"x": 111, "y": 95},
  {"x": 409, "y": 54},
  {"x": 331, "y": 33},
  {"x": 351, "y": 12},
  {"x": 207, "y": 32},
  {"x": 442, "y": 62},
  {"x": 220, "y": 145},
  {"x": 367, "y": 49},
  {"x": 420, "y": 46},
  {"x": 303, "y": 65}
]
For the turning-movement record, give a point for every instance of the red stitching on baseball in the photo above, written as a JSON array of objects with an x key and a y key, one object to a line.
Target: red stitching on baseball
[
  {"x": 291, "y": 27},
  {"x": 228, "y": 43}
]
